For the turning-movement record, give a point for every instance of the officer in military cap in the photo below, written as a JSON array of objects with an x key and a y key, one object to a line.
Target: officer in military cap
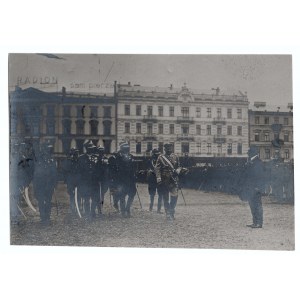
[
  {"x": 113, "y": 179},
  {"x": 102, "y": 174},
  {"x": 45, "y": 180},
  {"x": 252, "y": 184},
  {"x": 167, "y": 169},
  {"x": 88, "y": 185},
  {"x": 125, "y": 179},
  {"x": 71, "y": 174},
  {"x": 152, "y": 182}
]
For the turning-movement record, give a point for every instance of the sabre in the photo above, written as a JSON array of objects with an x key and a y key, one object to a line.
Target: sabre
[
  {"x": 56, "y": 202},
  {"x": 76, "y": 203},
  {"x": 24, "y": 193},
  {"x": 21, "y": 212},
  {"x": 182, "y": 197},
  {"x": 137, "y": 192}
]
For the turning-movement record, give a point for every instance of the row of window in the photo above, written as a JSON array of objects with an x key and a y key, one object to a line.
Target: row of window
[
  {"x": 265, "y": 137},
  {"x": 267, "y": 153},
  {"x": 267, "y": 120},
  {"x": 185, "y": 129},
  {"x": 185, "y": 111},
  {"x": 81, "y": 111},
  {"x": 185, "y": 148}
]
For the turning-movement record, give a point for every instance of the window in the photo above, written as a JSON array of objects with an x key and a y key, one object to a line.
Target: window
[
  {"x": 239, "y": 130},
  {"x": 286, "y": 153},
  {"x": 149, "y": 129},
  {"x": 276, "y": 136},
  {"x": 171, "y": 111},
  {"x": 185, "y": 148},
  {"x": 198, "y": 148},
  {"x": 160, "y": 128},
  {"x": 267, "y": 136},
  {"x": 66, "y": 124},
  {"x": 67, "y": 111},
  {"x": 50, "y": 110},
  {"x": 185, "y": 129},
  {"x": 185, "y": 111},
  {"x": 106, "y": 127},
  {"x": 171, "y": 128},
  {"x": 229, "y": 113},
  {"x": 198, "y": 112},
  {"x": 127, "y": 110},
  {"x": 80, "y": 111},
  {"x": 94, "y": 127},
  {"x": 80, "y": 127},
  {"x": 276, "y": 120},
  {"x": 198, "y": 129},
  {"x": 266, "y": 120},
  {"x": 208, "y": 112},
  {"x": 50, "y": 127},
  {"x": 208, "y": 130},
  {"x": 209, "y": 148},
  {"x": 256, "y": 120},
  {"x": 229, "y": 130},
  {"x": 138, "y": 147},
  {"x": 219, "y": 149},
  {"x": 229, "y": 149},
  {"x": 107, "y": 146},
  {"x": 149, "y": 146},
  {"x": 286, "y": 137},
  {"x": 35, "y": 127},
  {"x": 239, "y": 148},
  {"x": 138, "y": 128},
  {"x": 138, "y": 110},
  {"x": 161, "y": 147},
  {"x": 94, "y": 111},
  {"x": 239, "y": 113},
  {"x": 107, "y": 111},
  {"x": 66, "y": 144},
  {"x": 219, "y": 129},
  {"x": 160, "y": 111},
  {"x": 256, "y": 136},
  {"x": 267, "y": 153},
  {"x": 286, "y": 121},
  {"x": 219, "y": 113},
  {"x": 127, "y": 127},
  {"x": 149, "y": 111},
  {"x": 79, "y": 144}
]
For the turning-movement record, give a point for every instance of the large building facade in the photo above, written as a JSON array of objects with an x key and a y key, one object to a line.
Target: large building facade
[
  {"x": 271, "y": 131},
  {"x": 64, "y": 119},
  {"x": 200, "y": 124}
]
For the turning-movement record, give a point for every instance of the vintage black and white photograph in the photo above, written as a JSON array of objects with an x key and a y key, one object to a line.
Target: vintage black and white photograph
[{"x": 151, "y": 151}]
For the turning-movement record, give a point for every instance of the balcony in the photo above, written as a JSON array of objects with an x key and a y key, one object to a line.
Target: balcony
[
  {"x": 150, "y": 118},
  {"x": 220, "y": 139},
  {"x": 150, "y": 137},
  {"x": 184, "y": 119},
  {"x": 219, "y": 120},
  {"x": 185, "y": 137}
]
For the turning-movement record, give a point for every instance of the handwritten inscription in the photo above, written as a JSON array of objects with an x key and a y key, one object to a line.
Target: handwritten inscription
[{"x": 81, "y": 85}]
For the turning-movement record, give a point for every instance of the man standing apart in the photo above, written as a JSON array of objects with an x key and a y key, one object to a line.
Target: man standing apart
[
  {"x": 167, "y": 169},
  {"x": 252, "y": 186}
]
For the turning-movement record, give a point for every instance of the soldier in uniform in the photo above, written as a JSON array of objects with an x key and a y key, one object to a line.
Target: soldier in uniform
[
  {"x": 88, "y": 185},
  {"x": 102, "y": 174},
  {"x": 167, "y": 169},
  {"x": 125, "y": 179},
  {"x": 152, "y": 182},
  {"x": 252, "y": 186},
  {"x": 21, "y": 174},
  {"x": 72, "y": 175},
  {"x": 44, "y": 181},
  {"x": 112, "y": 177}
]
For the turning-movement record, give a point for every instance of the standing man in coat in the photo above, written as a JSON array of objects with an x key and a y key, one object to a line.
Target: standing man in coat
[
  {"x": 252, "y": 186},
  {"x": 167, "y": 169}
]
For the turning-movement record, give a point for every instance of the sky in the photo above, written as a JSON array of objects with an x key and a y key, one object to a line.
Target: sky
[{"x": 264, "y": 77}]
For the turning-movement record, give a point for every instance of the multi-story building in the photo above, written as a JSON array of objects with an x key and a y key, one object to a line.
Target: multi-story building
[
  {"x": 203, "y": 124},
  {"x": 271, "y": 130},
  {"x": 64, "y": 119}
]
